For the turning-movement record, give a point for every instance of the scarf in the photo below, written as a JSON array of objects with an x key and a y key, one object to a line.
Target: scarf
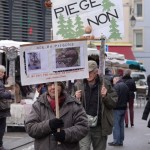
[{"x": 52, "y": 102}]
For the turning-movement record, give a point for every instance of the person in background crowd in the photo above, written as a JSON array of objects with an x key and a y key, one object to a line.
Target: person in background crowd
[
  {"x": 132, "y": 88},
  {"x": 148, "y": 83},
  {"x": 41, "y": 88},
  {"x": 109, "y": 75},
  {"x": 119, "y": 111},
  {"x": 42, "y": 123},
  {"x": 98, "y": 98},
  {"x": 146, "y": 114},
  {"x": 3, "y": 112}
]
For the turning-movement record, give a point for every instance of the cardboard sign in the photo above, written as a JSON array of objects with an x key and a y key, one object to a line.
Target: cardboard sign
[
  {"x": 54, "y": 61},
  {"x": 70, "y": 17}
]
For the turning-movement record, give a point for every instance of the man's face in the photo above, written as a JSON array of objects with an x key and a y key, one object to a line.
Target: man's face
[
  {"x": 92, "y": 75},
  {"x": 51, "y": 90},
  {"x": 2, "y": 74}
]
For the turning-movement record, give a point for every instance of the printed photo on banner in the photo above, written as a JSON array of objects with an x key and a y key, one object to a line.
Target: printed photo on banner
[
  {"x": 70, "y": 17},
  {"x": 34, "y": 61},
  {"x": 68, "y": 58},
  {"x": 55, "y": 61}
]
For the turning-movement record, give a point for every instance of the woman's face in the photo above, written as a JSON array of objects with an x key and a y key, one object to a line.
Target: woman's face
[
  {"x": 2, "y": 74},
  {"x": 51, "y": 90}
]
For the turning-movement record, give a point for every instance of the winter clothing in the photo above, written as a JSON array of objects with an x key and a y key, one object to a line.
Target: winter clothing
[
  {"x": 148, "y": 83},
  {"x": 56, "y": 123},
  {"x": 146, "y": 113},
  {"x": 3, "y": 113},
  {"x": 73, "y": 116},
  {"x": 119, "y": 112},
  {"x": 132, "y": 88},
  {"x": 90, "y": 97},
  {"x": 123, "y": 95}
]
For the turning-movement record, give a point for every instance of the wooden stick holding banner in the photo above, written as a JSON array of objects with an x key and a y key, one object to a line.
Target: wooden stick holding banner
[
  {"x": 56, "y": 94},
  {"x": 102, "y": 57}
]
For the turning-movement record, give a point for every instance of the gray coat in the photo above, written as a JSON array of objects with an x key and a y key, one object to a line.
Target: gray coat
[
  {"x": 4, "y": 95},
  {"x": 75, "y": 124}
]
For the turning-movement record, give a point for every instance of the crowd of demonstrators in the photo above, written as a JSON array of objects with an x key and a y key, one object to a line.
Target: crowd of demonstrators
[
  {"x": 42, "y": 123},
  {"x": 148, "y": 83},
  {"x": 4, "y": 113},
  {"x": 119, "y": 111},
  {"x": 98, "y": 99},
  {"x": 132, "y": 88}
]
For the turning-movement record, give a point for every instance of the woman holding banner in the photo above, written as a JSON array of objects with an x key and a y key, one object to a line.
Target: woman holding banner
[{"x": 42, "y": 124}]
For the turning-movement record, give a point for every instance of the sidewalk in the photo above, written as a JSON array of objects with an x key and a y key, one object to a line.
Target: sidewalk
[{"x": 136, "y": 138}]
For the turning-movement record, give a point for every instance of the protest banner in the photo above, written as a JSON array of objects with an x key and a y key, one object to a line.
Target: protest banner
[
  {"x": 53, "y": 61},
  {"x": 70, "y": 17}
]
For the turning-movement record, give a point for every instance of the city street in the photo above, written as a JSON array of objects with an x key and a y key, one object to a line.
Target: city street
[{"x": 136, "y": 138}]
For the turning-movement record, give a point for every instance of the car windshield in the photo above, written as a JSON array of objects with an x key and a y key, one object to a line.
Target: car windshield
[{"x": 137, "y": 77}]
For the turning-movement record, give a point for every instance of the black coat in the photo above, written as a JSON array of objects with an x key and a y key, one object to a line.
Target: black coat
[
  {"x": 4, "y": 95},
  {"x": 131, "y": 85},
  {"x": 146, "y": 112},
  {"x": 123, "y": 95}
]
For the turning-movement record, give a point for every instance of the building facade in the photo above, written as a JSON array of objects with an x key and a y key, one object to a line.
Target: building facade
[{"x": 141, "y": 33}]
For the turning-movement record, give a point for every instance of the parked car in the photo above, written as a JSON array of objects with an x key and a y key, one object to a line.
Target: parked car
[{"x": 139, "y": 77}]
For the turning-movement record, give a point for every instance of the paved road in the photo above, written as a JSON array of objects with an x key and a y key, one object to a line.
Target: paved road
[{"x": 136, "y": 138}]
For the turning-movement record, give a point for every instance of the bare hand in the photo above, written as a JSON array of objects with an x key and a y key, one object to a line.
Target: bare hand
[
  {"x": 103, "y": 91},
  {"x": 78, "y": 94}
]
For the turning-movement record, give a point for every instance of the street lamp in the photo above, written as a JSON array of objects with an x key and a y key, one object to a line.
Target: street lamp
[{"x": 133, "y": 21}]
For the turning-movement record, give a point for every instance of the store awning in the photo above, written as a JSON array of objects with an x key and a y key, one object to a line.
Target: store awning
[{"x": 125, "y": 50}]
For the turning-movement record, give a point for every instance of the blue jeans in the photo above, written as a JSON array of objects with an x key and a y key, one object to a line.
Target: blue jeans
[{"x": 118, "y": 129}]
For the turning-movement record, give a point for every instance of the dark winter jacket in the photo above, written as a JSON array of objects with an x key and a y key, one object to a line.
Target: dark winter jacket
[
  {"x": 106, "y": 105},
  {"x": 123, "y": 95},
  {"x": 131, "y": 85},
  {"x": 4, "y": 95},
  {"x": 75, "y": 124},
  {"x": 146, "y": 113}
]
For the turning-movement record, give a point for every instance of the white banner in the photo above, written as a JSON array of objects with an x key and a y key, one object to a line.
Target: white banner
[
  {"x": 70, "y": 17},
  {"x": 55, "y": 61}
]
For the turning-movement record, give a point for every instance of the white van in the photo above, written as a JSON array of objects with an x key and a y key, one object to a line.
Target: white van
[{"x": 139, "y": 77}]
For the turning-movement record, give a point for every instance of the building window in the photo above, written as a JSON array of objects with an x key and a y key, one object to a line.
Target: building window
[
  {"x": 138, "y": 39},
  {"x": 139, "y": 9}
]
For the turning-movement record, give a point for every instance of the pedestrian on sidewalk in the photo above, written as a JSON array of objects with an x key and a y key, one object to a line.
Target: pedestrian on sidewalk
[
  {"x": 132, "y": 88},
  {"x": 148, "y": 83},
  {"x": 42, "y": 123},
  {"x": 98, "y": 98},
  {"x": 119, "y": 111},
  {"x": 146, "y": 114},
  {"x": 4, "y": 110}
]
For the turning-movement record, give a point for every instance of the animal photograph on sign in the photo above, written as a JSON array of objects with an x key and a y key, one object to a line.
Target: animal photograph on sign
[
  {"x": 68, "y": 57},
  {"x": 70, "y": 18},
  {"x": 34, "y": 61}
]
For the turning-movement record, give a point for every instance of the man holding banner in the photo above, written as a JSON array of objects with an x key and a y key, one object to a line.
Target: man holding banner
[
  {"x": 43, "y": 125},
  {"x": 98, "y": 98}
]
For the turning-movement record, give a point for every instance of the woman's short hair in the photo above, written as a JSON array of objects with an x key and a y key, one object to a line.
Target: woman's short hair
[{"x": 2, "y": 68}]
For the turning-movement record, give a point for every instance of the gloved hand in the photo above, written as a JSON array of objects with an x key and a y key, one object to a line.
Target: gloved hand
[
  {"x": 60, "y": 136},
  {"x": 55, "y": 124}
]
